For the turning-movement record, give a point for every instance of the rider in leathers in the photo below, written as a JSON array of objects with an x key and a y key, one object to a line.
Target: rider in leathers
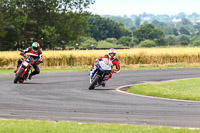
[
  {"x": 36, "y": 53},
  {"x": 111, "y": 56}
]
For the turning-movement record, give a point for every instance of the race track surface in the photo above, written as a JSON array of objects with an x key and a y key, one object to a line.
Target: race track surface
[{"x": 65, "y": 97}]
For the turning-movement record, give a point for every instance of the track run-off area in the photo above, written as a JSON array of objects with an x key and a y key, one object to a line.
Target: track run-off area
[{"x": 64, "y": 96}]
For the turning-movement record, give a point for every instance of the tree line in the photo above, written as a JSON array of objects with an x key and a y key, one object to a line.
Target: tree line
[
  {"x": 178, "y": 29},
  {"x": 60, "y": 24},
  {"x": 50, "y": 22}
]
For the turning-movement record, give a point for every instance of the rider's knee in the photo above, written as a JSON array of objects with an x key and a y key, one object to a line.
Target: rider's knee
[{"x": 20, "y": 61}]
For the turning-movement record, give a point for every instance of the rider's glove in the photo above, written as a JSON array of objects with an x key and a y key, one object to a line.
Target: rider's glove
[
  {"x": 112, "y": 71},
  {"x": 36, "y": 62},
  {"x": 106, "y": 78}
]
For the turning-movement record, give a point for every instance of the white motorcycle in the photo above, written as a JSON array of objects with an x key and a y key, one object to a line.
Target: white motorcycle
[{"x": 98, "y": 75}]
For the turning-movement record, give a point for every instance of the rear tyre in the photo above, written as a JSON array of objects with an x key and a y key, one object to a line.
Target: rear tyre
[
  {"x": 18, "y": 75},
  {"x": 91, "y": 87}
]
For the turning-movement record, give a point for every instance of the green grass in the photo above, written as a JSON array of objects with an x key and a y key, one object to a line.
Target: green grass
[
  {"x": 140, "y": 67},
  {"x": 47, "y": 70},
  {"x": 182, "y": 89},
  {"x": 87, "y": 68},
  {"x": 27, "y": 126}
]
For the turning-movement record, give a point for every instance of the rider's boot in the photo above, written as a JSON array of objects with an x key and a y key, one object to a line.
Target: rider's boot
[
  {"x": 15, "y": 70},
  {"x": 30, "y": 76},
  {"x": 104, "y": 84}
]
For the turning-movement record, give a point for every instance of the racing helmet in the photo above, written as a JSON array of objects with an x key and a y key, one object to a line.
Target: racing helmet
[
  {"x": 35, "y": 46},
  {"x": 111, "y": 53}
]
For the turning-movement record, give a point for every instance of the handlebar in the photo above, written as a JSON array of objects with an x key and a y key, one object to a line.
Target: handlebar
[
  {"x": 20, "y": 50},
  {"x": 22, "y": 54}
]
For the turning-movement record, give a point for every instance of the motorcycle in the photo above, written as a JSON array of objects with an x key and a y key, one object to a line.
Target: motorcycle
[
  {"x": 23, "y": 70},
  {"x": 101, "y": 71}
]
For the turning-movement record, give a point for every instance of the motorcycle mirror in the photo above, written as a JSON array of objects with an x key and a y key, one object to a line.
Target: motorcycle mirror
[{"x": 20, "y": 49}]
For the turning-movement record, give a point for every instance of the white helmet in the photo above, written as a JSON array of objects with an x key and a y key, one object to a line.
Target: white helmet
[{"x": 111, "y": 53}]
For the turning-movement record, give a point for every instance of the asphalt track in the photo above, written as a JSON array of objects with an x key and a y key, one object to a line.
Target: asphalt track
[{"x": 65, "y": 97}]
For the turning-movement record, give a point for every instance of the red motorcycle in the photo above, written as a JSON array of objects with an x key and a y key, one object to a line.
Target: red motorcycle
[{"x": 23, "y": 70}]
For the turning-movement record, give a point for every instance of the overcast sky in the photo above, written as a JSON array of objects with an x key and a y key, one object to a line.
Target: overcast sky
[{"x": 128, "y": 7}]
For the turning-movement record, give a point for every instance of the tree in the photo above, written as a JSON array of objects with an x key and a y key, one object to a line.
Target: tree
[
  {"x": 181, "y": 38},
  {"x": 181, "y": 15},
  {"x": 196, "y": 42},
  {"x": 127, "y": 41},
  {"x": 184, "y": 31},
  {"x": 49, "y": 33},
  {"x": 168, "y": 30},
  {"x": 175, "y": 31},
  {"x": 149, "y": 32},
  {"x": 72, "y": 26},
  {"x": 3, "y": 32},
  {"x": 137, "y": 22},
  {"x": 171, "y": 40},
  {"x": 102, "y": 28},
  {"x": 127, "y": 22},
  {"x": 28, "y": 20},
  {"x": 186, "y": 22},
  {"x": 158, "y": 24}
]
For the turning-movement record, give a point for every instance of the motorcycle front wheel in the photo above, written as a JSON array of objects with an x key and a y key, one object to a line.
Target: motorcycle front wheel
[
  {"x": 94, "y": 82},
  {"x": 17, "y": 77}
]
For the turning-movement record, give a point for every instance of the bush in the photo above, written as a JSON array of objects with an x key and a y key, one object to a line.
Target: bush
[
  {"x": 161, "y": 41},
  {"x": 196, "y": 42},
  {"x": 105, "y": 44},
  {"x": 184, "y": 42},
  {"x": 125, "y": 40},
  {"x": 132, "y": 44},
  {"x": 181, "y": 38},
  {"x": 171, "y": 39},
  {"x": 147, "y": 43},
  {"x": 87, "y": 42},
  {"x": 111, "y": 40}
]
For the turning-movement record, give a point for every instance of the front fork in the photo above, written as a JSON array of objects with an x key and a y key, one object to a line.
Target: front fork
[{"x": 93, "y": 74}]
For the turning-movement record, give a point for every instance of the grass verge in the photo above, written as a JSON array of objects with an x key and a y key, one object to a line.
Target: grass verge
[
  {"x": 181, "y": 89},
  {"x": 28, "y": 126},
  {"x": 46, "y": 70},
  {"x": 87, "y": 68}
]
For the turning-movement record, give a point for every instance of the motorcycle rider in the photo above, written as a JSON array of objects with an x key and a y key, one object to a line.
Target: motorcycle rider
[
  {"x": 36, "y": 53},
  {"x": 115, "y": 62}
]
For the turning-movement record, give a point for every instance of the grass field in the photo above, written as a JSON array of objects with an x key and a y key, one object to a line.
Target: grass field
[
  {"x": 136, "y": 56},
  {"x": 182, "y": 89},
  {"x": 14, "y": 126}
]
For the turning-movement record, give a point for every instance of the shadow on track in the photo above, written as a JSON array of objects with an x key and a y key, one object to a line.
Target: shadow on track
[{"x": 104, "y": 89}]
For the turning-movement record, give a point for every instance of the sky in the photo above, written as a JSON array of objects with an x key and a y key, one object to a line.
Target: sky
[{"x": 129, "y": 7}]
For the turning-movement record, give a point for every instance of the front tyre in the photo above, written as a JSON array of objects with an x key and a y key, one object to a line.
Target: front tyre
[
  {"x": 94, "y": 82},
  {"x": 18, "y": 75}
]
